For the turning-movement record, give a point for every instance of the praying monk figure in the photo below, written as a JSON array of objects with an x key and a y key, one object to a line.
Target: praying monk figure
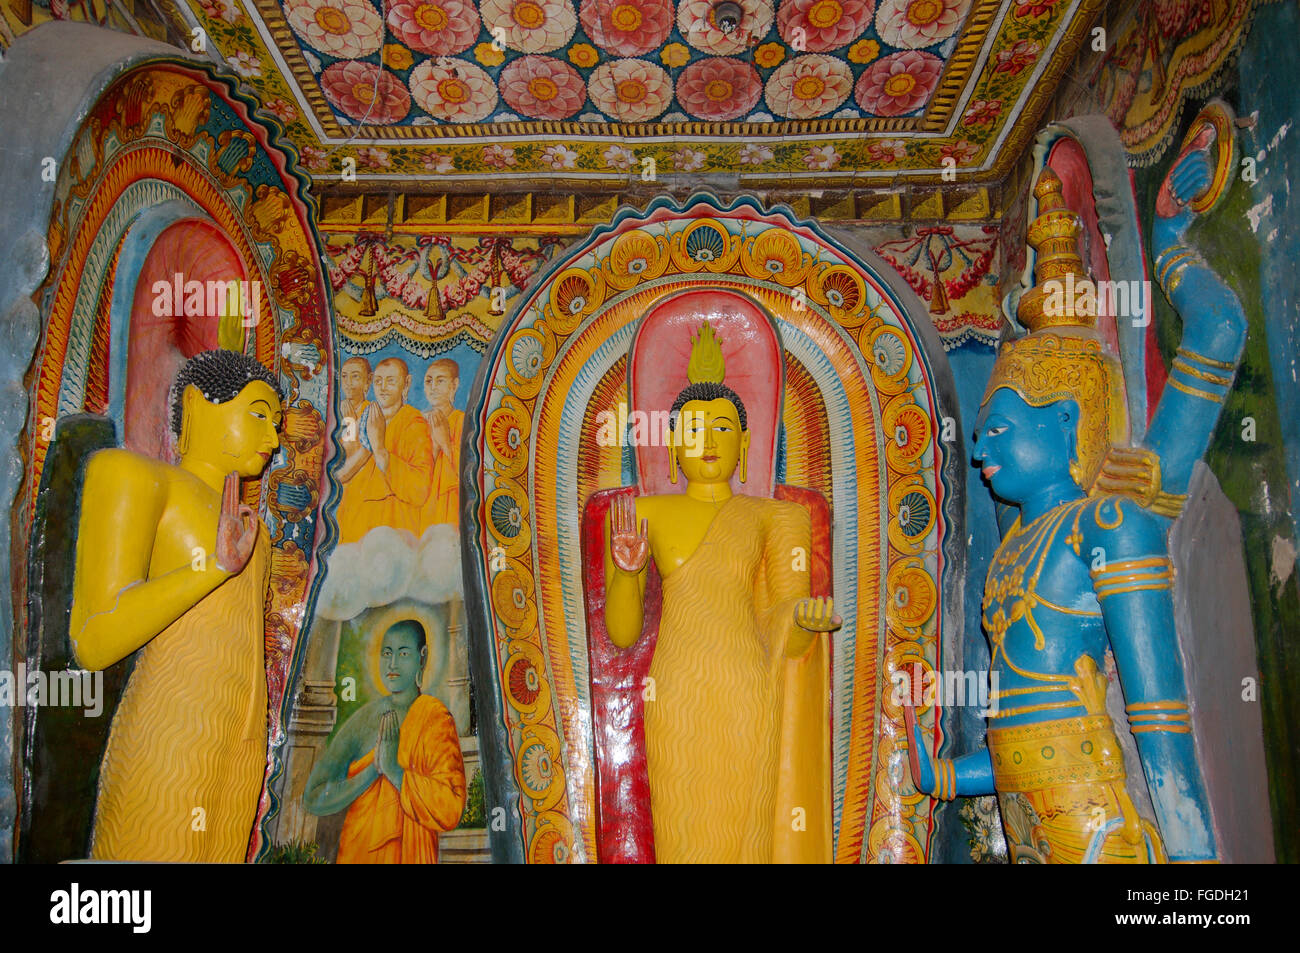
[
  {"x": 170, "y": 564},
  {"x": 386, "y": 478},
  {"x": 445, "y": 425},
  {"x": 395, "y": 765},
  {"x": 354, "y": 376},
  {"x": 735, "y": 736}
]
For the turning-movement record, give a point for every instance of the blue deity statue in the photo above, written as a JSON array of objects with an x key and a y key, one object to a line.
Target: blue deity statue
[{"x": 1085, "y": 565}]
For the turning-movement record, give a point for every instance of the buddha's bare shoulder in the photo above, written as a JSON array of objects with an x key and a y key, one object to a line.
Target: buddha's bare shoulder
[{"x": 119, "y": 464}]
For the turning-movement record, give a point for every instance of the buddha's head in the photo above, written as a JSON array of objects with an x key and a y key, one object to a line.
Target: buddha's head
[
  {"x": 392, "y": 382},
  {"x": 354, "y": 376},
  {"x": 708, "y": 434},
  {"x": 226, "y": 412},
  {"x": 440, "y": 383},
  {"x": 402, "y": 656}
]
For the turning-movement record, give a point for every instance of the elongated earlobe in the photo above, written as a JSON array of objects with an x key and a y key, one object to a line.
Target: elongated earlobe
[
  {"x": 672, "y": 460},
  {"x": 744, "y": 456},
  {"x": 187, "y": 422}
]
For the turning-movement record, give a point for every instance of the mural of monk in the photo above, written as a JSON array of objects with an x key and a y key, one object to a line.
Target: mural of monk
[
  {"x": 354, "y": 377},
  {"x": 395, "y": 765},
  {"x": 171, "y": 564},
  {"x": 445, "y": 424},
  {"x": 386, "y": 478}
]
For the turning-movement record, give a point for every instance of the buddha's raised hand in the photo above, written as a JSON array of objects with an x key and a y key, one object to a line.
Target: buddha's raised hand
[
  {"x": 630, "y": 549},
  {"x": 236, "y": 529},
  {"x": 817, "y": 615}
]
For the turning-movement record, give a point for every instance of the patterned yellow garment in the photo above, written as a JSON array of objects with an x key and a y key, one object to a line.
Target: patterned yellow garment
[
  {"x": 1061, "y": 787},
  {"x": 183, "y": 770},
  {"x": 737, "y": 744}
]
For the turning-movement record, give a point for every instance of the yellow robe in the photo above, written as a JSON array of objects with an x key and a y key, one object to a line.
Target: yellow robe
[
  {"x": 385, "y": 826},
  {"x": 444, "y": 499},
  {"x": 737, "y": 735},
  {"x": 373, "y": 498},
  {"x": 186, "y": 756}
]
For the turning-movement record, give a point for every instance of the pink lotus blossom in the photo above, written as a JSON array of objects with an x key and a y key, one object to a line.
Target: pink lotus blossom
[
  {"x": 898, "y": 84},
  {"x": 887, "y": 150},
  {"x": 559, "y": 157},
  {"x": 439, "y": 27},
  {"x": 282, "y": 109},
  {"x": 809, "y": 86},
  {"x": 453, "y": 90},
  {"x": 618, "y": 157},
  {"x": 630, "y": 90},
  {"x": 347, "y": 29},
  {"x": 961, "y": 151},
  {"x": 821, "y": 157},
  {"x": 436, "y": 162},
  {"x": 719, "y": 88},
  {"x": 530, "y": 26},
  {"x": 365, "y": 92},
  {"x": 373, "y": 158},
  {"x": 754, "y": 154},
  {"x": 627, "y": 27},
  {"x": 498, "y": 156},
  {"x": 697, "y": 23},
  {"x": 542, "y": 87},
  {"x": 982, "y": 111},
  {"x": 688, "y": 160},
  {"x": 825, "y": 24},
  {"x": 1018, "y": 57},
  {"x": 913, "y": 24}
]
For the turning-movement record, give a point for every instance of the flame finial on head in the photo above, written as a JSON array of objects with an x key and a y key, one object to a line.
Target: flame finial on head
[{"x": 706, "y": 365}]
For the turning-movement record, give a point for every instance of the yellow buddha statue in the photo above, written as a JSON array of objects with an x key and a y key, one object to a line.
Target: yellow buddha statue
[
  {"x": 170, "y": 564},
  {"x": 736, "y": 726}
]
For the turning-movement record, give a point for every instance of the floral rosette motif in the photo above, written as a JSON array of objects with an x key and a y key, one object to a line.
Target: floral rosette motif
[
  {"x": 439, "y": 27},
  {"x": 898, "y": 84},
  {"x": 365, "y": 92},
  {"x": 542, "y": 87},
  {"x": 719, "y": 89},
  {"x": 627, "y": 27},
  {"x": 530, "y": 26},
  {"x": 347, "y": 29},
  {"x": 912, "y": 24},
  {"x": 826, "y": 24},
  {"x": 453, "y": 90},
  {"x": 697, "y": 23},
  {"x": 809, "y": 86},
  {"x": 630, "y": 90}
]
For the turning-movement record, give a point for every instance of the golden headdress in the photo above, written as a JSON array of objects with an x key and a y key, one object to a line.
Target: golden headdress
[{"x": 1062, "y": 356}]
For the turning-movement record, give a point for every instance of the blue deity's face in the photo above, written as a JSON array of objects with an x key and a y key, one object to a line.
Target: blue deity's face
[{"x": 1020, "y": 449}]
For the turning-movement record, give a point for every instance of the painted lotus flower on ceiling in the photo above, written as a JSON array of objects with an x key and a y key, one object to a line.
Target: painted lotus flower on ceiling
[
  {"x": 822, "y": 25},
  {"x": 719, "y": 89},
  {"x": 343, "y": 28},
  {"x": 914, "y": 24},
  {"x": 530, "y": 26},
  {"x": 466, "y": 61},
  {"x": 627, "y": 27},
  {"x": 438, "y": 27},
  {"x": 365, "y": 93},
  {"x": 630, "y": 90},
  {"x": 542, "y": 87},
  {"x": 809, "y": 86},
  {"x": 453, "y": 90}
]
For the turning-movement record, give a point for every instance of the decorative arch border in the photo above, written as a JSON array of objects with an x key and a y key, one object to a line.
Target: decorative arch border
[
  {"x": 166, "y": 130},
  {"x": 846, "y": 327}
]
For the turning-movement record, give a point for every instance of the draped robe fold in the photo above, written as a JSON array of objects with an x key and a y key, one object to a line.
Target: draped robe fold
[
  {"x": 186, "y": 756},
  {"x": 737, "y": 735},
  {"x": 394, "y": 498}
]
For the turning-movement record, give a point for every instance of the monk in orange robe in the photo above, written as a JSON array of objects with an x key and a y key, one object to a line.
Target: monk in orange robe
[
  {"x": 395, "y": 765},
  {"x": 445, "y": 425},
  {"x": 387, "y": 478},
  {"x": 354, "y": 376}
]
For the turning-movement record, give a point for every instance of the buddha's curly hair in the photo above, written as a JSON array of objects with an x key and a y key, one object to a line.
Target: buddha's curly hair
[
  {"x": 707, "y": 391},
  {"x": 219, "y": 375}
]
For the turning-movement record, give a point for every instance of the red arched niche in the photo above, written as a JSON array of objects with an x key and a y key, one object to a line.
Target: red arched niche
[{"x": 189, "y": 250}]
